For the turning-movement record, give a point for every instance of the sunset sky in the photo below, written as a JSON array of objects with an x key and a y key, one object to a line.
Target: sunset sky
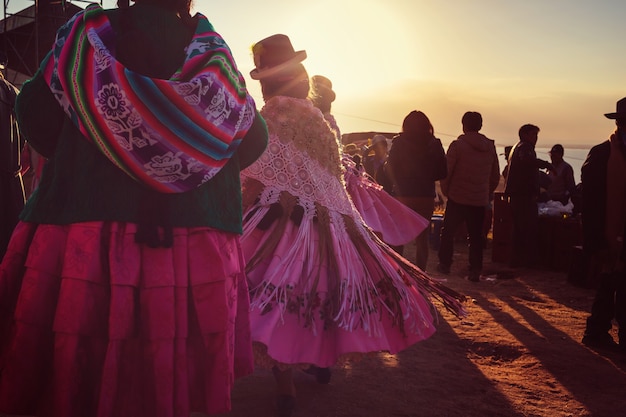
[{"x": 559, "y": 64}]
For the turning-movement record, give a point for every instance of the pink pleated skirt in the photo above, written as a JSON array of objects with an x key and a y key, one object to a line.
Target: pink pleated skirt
[
  {"x": 94, "y": 325},
  {"x": 395, "y": 223},
  {"x": 361, "y": 323}
]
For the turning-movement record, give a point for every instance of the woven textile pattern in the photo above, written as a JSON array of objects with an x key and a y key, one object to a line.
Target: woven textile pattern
[{"x": 173, "y": 135}]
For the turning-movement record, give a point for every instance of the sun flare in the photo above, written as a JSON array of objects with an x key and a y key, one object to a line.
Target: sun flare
[{"x": 357, "y": 46}]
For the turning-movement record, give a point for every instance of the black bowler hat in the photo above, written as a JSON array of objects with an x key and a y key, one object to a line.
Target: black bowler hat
[
  {"x": 621, "y": 110},
  {"x": 273, "y": 55}
]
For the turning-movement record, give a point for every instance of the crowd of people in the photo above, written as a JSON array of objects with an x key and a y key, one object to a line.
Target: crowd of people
[{"x": 205, "y": 236}]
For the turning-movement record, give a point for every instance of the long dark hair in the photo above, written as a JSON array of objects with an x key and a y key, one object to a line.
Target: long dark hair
[
  {"x": 181, "y": 7},
  {"x": 417, "y": 124}
]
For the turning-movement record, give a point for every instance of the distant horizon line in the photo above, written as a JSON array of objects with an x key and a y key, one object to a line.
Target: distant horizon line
[{"x": 386, "y": 134}]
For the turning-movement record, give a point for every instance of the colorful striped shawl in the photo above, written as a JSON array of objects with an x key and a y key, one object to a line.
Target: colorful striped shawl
[{"x": 172, "y": 135}]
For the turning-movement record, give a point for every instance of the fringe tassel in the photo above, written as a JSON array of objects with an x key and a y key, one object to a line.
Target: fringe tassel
[
  {"x": 287, "y": 202},
  {"x": 367, "y": 279}
]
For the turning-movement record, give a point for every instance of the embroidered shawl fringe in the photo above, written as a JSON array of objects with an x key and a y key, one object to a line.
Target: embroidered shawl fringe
[{"x": 368, "y": 282}]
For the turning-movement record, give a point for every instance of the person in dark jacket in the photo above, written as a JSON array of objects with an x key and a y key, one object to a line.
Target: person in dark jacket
[
  {"x": 604, "y": 227},
  {"x": 11, "y": 144},
  {"x": 416, "y": 161},
  {"x": 522, "y": 188}
]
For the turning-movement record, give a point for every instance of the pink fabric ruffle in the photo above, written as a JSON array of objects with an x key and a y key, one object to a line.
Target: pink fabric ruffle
[
  {"x": 393, "y": 221},
  {"x": 94, "y": 325},
  {"x": 279, "y": 295}
]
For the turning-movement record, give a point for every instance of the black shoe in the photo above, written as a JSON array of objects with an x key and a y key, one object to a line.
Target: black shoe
[
  {"x": 322, "y": 375},
  {"x": 604, "y": 341},
  {"x": 443, "y": 269},
  {"x": 285, "y": 405}
]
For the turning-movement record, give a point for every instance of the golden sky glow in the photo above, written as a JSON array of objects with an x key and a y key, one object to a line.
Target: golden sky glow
[{"x": 558, "y": 64}]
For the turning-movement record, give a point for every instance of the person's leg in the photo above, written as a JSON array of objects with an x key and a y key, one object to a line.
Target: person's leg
[
  {"x": 620, "y": 307},
  {"x": 424, "y": 207},
  {"x": 519, "y": 231},
  {"x": 398, "y": 249},
  {"x": 407, "y": 202},
  {"x": 286, "y": 392},
  {"x": 602, "y": 313},
  {"x": 474, "y": 218},
  {"x": 487, "y": 222},
  {"x": 322, "y": 375},
  {"x": 531, "y": 233},
  {"x": 451, "y": 220}
]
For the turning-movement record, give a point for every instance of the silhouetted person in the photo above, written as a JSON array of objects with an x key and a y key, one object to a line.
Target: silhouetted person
[
  {"x": 604, "y": 228},
  {"x": 522, "y": 188},
  {"x": 11, "y": 144},
  {"x": 473, "y": 175},
  {"x": 374, "y": 157},
  {"x": 561, "y": 174},
  {"x": 123, "y": 290},
  {"x": 416, "y": 161}
]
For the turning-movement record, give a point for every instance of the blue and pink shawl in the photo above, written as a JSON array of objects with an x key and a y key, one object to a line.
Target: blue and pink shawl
[{"x": 172, "y": 135}]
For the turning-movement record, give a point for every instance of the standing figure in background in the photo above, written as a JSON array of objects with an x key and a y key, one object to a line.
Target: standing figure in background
[
  {"x": 352, "y": 151},
  {"x": 11, "y": 143},
  {"x": 393, "y": 222},
  {"x": 473, "y": 175},
  {"x": 122, "y": 292},
  {"x": 374, "y": 157},
  {"x": 507, "y": 154},
  {"x": 322, "y": 96},
  {"x": 416, "y": 161},
  {"x": 561, "y": 174},
  {"x": 522, "y": 188},
  {"x": 604, "y": 229},
  {"x": 323, "y": 287}
]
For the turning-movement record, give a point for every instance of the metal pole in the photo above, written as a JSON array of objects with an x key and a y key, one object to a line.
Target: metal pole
[{"x": 36, "y": 33}]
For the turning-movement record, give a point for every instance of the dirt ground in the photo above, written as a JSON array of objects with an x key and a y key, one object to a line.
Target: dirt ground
[{"x": 517, "y": 353}]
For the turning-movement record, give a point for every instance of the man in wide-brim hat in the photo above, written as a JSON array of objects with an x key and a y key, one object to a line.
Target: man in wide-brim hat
[{"x": 604, "y": 227}]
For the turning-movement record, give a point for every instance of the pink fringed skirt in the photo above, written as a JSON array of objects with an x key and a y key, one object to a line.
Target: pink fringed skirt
[
  {"x": 324, "y": 288},
  {"x": 94, "y": 325},
  {"x": 396, "y": 223}
]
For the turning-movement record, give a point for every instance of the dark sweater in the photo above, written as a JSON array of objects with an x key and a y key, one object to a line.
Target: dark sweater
[
  {"x": 523, "y": 175},
  {"x": 415, "y": 164},
  {"x": 80, "y": 184}
]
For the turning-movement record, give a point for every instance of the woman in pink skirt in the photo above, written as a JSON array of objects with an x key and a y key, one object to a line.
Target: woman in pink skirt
[
  {"x": 323, "y": 287},
  {"x": 122, "y": 291}
]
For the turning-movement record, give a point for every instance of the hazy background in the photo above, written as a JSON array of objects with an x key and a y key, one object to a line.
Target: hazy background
[{"x": 559, "y": 64}]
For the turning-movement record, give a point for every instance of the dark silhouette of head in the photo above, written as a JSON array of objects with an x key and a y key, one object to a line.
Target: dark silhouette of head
[
  {"x": 322, "y": 94},
  {"x": 417, "y": 123},
  {"x": 472, "y": 122},
  {"x": 528, "y": 133},
  {"x": 556, "y": 153}
]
